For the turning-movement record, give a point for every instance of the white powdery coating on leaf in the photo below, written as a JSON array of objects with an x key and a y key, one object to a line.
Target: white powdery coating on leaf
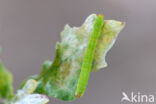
[
  {"x": 24, "y": 95},
  {"x": 30, "y": 86},
  {"x": 33, "y": 99},
  {"x": 88, "y": 24},
  {"x": 75, "y": 39}
]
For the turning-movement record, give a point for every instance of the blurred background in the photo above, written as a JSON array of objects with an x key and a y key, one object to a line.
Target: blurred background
[{"x": 29, "y": 30}]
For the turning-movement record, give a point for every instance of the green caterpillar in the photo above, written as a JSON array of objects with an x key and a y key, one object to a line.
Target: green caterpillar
[{"x": 88, "y": 57}]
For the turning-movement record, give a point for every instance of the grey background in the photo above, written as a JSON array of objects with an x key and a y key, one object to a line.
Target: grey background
[{"x": 29, "y": 30}]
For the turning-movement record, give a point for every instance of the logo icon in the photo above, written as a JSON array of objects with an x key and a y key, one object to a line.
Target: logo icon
[{"x": 125, "y": 97}]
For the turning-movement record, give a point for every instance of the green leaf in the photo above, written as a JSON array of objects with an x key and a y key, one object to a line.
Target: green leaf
[
  {"x": 59, "y": 78},
  {"x": 26, "y": 95},
  {"x": 106, "y": 40},
  {"x": 5, "y": 83}
]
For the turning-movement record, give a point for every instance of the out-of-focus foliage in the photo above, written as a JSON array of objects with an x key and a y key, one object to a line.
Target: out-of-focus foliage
[
  {"x": 26, "y": 95},
  {"x": 5, "y": 83}
]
